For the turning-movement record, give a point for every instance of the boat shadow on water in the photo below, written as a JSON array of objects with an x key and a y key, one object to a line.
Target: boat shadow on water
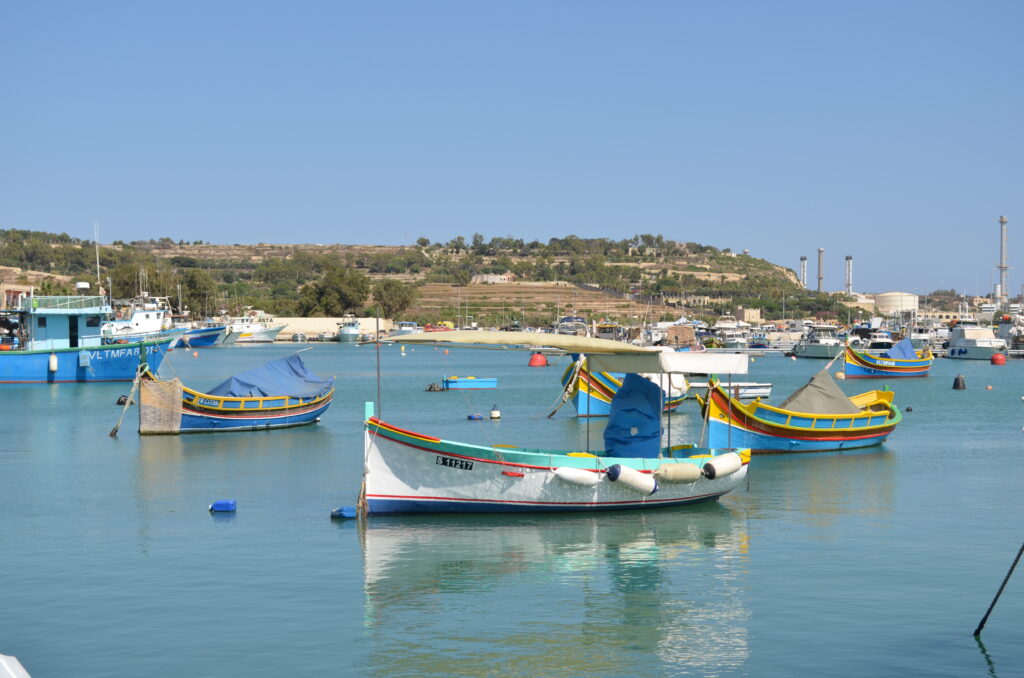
[{"x": 638, "y": 580}]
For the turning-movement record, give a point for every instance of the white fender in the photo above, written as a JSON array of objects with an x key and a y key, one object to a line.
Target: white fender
[
  {"x": 723, "y": 465},
  {"x": 678, "y": 473},
  {"x": 578, "y": 476},
  {"x": 53, "y": 362},
  {"x": 644, "y": 483}
]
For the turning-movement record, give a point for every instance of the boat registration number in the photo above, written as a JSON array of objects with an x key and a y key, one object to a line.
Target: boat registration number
[
  {"x": 208, "y": 402},
  {"x": 454, "y": 463}
]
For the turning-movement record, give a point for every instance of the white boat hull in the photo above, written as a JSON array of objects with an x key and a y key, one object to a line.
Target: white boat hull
[
  {"x": 972, "y": 352},
  {"x": 402, "y": 478},
  {"x": 256, "y": 335},
  {"x": 817, "y": 350}
]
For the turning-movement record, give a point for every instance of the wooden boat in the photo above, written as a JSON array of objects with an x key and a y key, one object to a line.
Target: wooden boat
[
  {"x": 818, "y": 417},
  {"x": 278, "y": 394},
  {"x": 409, "y": 472},
  {"x": 592, "y": 392},
  {"x": 902, "y": 360}
]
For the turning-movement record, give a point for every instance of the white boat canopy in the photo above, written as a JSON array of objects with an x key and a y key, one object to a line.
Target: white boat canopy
[
  {"x": 604, "y": 355},
  {"x": 684, "y": 362}
]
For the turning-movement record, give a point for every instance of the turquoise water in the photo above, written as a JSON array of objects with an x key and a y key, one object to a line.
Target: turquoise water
[{"x": 879, "y": 562}]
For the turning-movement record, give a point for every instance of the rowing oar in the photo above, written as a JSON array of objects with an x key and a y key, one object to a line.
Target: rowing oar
[
  {"x": 128, "y": 402},
  {"x": 984, "y": 619}
]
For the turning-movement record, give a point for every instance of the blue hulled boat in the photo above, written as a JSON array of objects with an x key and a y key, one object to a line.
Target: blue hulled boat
[
  {"x": 56, "y": 339},
  {"x": 277, "y": 394},
  {"x": 203, "y": 337}
]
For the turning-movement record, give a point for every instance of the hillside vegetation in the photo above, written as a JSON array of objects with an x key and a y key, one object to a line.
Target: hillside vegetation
[{"x": 646, "y": 276}]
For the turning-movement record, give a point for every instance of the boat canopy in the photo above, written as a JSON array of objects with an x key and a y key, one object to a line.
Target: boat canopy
[
  {"x": 901, "y": 350},
  {"x": 685, "y": 362},
  {"x": 604, "y": 355},
  {"x": 286, "y": 376},
  {"x": 820, "y": 395},
  {"x": 634, "y": 424}
]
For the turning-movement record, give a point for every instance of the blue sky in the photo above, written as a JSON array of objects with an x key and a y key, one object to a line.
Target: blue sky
[{"x": 890, "y": 131}]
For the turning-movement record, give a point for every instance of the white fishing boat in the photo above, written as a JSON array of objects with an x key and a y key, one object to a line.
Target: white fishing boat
[
  {"x": 970, "y": 341},
  {"x": 409, "y": 472},
  {"x": 572, "y": 325},
  {"x": 348, "y": 329},
  {"x": 819, "y": 341},
  {"x": 143, "y": 318},
  {"x": 255, "y": 327}
]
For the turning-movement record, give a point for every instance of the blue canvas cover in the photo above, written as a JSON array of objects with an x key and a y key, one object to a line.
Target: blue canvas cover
[
  {"x": 286, "y": 376},
  {"x": 901, "y": 350},
  {"x": 634, "y": 424}
]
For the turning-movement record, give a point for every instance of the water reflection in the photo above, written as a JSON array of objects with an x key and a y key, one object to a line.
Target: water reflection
[
  {"x": 558, "y": 594},
  {"x": 820, "y": 488}
]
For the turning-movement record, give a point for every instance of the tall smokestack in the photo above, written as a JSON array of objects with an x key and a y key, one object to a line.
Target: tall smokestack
[
  {"x": 849, "y": 275},
  {"x": 1003, "y": 291},
  {"x": 821, "y": 274},
  {"x": 803, "y": 272}
]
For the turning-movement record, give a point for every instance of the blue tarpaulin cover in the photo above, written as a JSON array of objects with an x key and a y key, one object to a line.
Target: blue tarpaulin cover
[
  {"x": 282, "y": 377},
  {"x": 634, "y": 424},
  {"x": 901, "y": 350}
]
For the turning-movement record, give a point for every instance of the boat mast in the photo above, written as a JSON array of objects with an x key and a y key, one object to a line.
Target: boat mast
[{"x": 96, "y": 243}]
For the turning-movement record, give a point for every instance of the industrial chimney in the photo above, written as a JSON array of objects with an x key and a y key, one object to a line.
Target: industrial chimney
[
  {"x": 849, "y": 275},
  {"x": 821, "y": 274},
  {"x": 1003, "y": 291},
  {"x": 803, "y": 272}
]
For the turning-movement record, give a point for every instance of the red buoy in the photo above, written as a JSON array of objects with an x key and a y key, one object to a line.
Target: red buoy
[
  {"x": 538, "y": 360},
  {"x": 998, "y": 359}
]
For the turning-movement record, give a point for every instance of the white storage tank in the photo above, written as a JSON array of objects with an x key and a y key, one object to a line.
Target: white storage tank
[{"x": 895, "y": 302}]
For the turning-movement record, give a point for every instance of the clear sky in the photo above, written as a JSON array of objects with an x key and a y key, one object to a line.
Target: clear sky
[{"x": 887, "y": 130}]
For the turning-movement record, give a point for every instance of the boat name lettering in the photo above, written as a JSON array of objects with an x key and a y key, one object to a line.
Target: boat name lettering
[
  {"x": 454, "y": 463},
  {"x": 112, "y": 353},
  {"x": 208, "y": 402}
]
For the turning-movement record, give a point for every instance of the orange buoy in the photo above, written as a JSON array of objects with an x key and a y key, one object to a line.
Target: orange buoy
[
  {"x": 195, "y": 354},
  {"x": 538, "y": 360},
  {"x": 998, "y": 359}
]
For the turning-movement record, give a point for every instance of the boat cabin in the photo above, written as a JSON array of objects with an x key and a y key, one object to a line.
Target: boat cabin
[{"x": 48, "y": 323}]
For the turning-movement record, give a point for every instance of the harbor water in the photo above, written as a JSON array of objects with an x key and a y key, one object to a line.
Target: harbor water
[{"x": 872, "y": 562}]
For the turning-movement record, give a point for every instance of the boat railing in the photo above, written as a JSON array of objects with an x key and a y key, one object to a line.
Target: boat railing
[{"x": 65, "y": 303}]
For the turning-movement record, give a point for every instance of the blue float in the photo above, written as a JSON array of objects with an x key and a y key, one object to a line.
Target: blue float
[
  {"x": 344, "y": 513},
  {"x": 223, "y": 506}
]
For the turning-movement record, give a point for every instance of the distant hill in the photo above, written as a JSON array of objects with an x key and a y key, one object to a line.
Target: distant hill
[{"x": 646, "y": 275}]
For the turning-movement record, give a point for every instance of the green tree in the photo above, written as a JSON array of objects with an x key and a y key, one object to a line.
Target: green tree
[
  {"x": 340, "y": 291},
  {"x": 393, "y": 297},
  {"x": 198, "y": 291}
]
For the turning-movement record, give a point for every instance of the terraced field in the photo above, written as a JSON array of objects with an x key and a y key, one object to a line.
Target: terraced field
[{"x": 542, "y": 303}]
